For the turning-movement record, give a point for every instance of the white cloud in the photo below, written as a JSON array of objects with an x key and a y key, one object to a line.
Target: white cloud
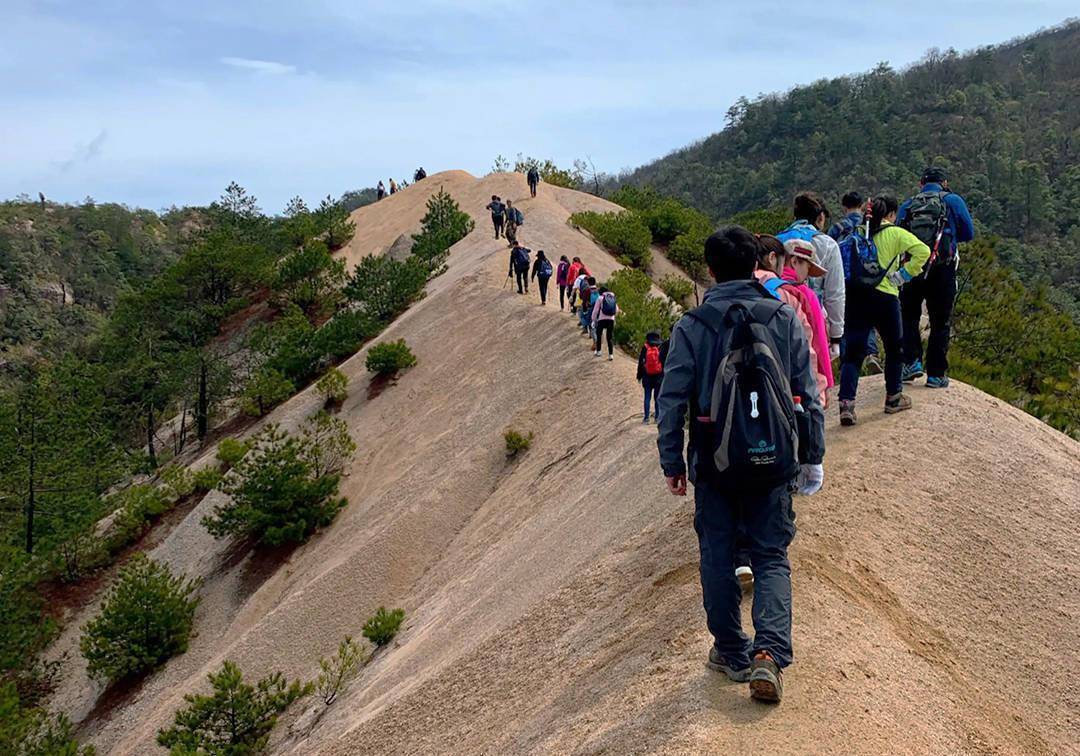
[{"x": 262, "y": 66}]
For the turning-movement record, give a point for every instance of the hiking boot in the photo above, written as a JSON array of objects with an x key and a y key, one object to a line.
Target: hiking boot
[
  {"x": 745, "y": 576},
  {"x": 847, "y": 412},
  {"x": 911, "y": 371},
  {"x": 934, "y": 381},
  {"x": 897, "y": 403},
  {"x": 717, "y": 663},
  {"x": 645, "y": 421},
  {"x": 766, "y": 683}
]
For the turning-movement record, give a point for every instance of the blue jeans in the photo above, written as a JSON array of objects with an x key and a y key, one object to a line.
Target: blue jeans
[
  {"x": 765, "y": 517},
  {"x": 868, "y": 309},
  {"x": 652, "y": 388},
  {"x": 585, "y": 316}
]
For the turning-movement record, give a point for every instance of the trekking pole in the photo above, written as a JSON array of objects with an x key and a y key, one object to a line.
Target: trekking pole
[{"x": 508, "y": 276}]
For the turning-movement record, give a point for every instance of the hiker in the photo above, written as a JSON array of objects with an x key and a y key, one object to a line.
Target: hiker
[
  {"x": 562, "y": 275},
  {"x": 533, "y": 177},
  {"x": 810, "y": 214},
  {"x": 420, "y": 175},
  {"x": 587, "y": 296},
  {"x": 380, "y": 191},
  {"x": 393, "y": 187},
  {"x": 498, "y": 214},
  {"x": 874, "y": 303},
  {"x": 650, "y": 371},
  {"x": 853, "y": 204},
  {"x": 940, "y": 219},
  {"x": 541, "y": 271},
  {"x": 799, "y": 266},
  {"x": 604, "y": 311},
  {"x": 771, "y": 262},
  {"x": 725, "y": 361},
  {"x": 514, "y": 218},
  {"x": 580, "y": 279},
  {"x": 577, "y": 268},
  {"x": 519, "y": 267}
]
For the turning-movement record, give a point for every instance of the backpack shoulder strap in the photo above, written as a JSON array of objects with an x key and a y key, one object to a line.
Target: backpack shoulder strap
[{"x": 772, "y": 286}]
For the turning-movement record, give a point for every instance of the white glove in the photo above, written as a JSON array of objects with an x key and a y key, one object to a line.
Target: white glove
[
  {"x": 834, "y": 351},
  {"x": 899, "y": 277},
  {"x": 810, "y": 480}
]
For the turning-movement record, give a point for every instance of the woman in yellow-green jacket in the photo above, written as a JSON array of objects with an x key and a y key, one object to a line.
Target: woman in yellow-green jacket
[{"x": 902, "y": 256}]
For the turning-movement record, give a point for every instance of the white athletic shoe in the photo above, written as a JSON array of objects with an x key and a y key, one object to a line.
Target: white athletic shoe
[
  {"x": 745, "y": 576},
  {"x": 610, "y": 357},
  {"x": 596, "y": 354}
]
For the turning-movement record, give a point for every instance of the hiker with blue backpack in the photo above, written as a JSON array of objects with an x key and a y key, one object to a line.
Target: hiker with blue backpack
[
  {"x": 650, "y": 371},
  {"x": 854, "y": 206},
  {"x": 878, "y": 259},
  {"x": 941, "y": 220},
  {"x": 514, "y": 219},
  {"x": 519, "y": 267},
  {"x": 810, "y": 218},
  {"x": 604, "y": 311},
  {"x": 541, "y": 272},
  {"x": 740, "y": 365},
  {"x": 587, "y": 295},
  {"x": 498, "y": 214}
]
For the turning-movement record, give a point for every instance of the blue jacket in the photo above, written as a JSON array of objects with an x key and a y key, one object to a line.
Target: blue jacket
[
  {"x": 849, "y": 222},
  {"x": 690, "y": 368},
  {"x": 959, "y": 225}
]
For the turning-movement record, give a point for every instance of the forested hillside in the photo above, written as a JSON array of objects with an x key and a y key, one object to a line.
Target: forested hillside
[{"x": 1004, "y": 120}]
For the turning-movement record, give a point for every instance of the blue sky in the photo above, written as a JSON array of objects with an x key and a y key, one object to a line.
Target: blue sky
[{"x": 158, "y": 103}]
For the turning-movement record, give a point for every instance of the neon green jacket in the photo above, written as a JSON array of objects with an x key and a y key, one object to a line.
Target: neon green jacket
[{"x": 892, "y": 244}]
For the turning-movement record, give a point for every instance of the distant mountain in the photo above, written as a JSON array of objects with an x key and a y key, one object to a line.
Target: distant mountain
[
  {"x": 62, "y": 267},
  {"x": 1005, "y": 121}
]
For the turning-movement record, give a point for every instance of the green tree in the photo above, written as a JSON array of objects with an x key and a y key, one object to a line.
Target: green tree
[
  {"x": 383, "y": 288},
  {"x": 266, "y": 389},
  {"x": 32, "y": 731},
  {"x": 333, "y": 220},
  {"x": 146, "y": 618},
  {"x": 236, "y": 719},
  {"x": 381, "y": 628},
  {"x": 443, "y": 226},
  {"x": 389, "y": 357}
]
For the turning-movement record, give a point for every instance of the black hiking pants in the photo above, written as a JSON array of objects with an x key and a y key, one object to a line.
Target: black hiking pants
[
  {"x": 605, "y": 326},
  {"x": 497, "y": 221},
  {"x": 562, "y": 295},
  {"x": 866, "y": 310},
  {"x": 763, "y": 518},
  {"x": 532, "y": 188},
  {"x": 542, "y": 281},
  {"x": 522, "y": 277},
  {"x": 937, "y": 287}
]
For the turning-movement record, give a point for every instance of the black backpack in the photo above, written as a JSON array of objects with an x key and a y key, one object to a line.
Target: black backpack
[
  {"x": 928, "y": 219},
  {"x": 521, "y": 258},
  {"x": 752, "y": 439}
]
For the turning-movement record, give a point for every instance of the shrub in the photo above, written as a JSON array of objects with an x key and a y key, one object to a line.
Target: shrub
[
  {"x": 641, "y": 312},
  {"x": 177, "y": 482},
  {"x": 266, "y": 389},
  {"x": 517, "y": 442},
  {"x": 383, "y": 287},
  {"x": 766, "y": 220},
  {"x": 33, "y": 731},
  {"x": 332, "y": 218},
  {"x": 310, "y": 277},
  {"x": 336, "y": 674},
  {"x": 669, "y": 218},
  {"x": 79, "y": 549},
  {"x": 383, "y": 626},
  {"x": 231, "y": 450},
  {"x": 633, "y": 197},
  {"x": 623, "y": 234},
  {"x": 333, "y": 386},
  {"x": 274, "y": 494},
  {"x": 327, "y": 445},
  {"x": 688, "y": 252},
  {"x": 390, "y": 357},
  {"x": 146, "y": 618},
  {"x": 343, "y": 334},
  {"x": 139, "y": 505},
  {"x": 236, "y": 719},
  {"x": 677, "y": 288},
  {"x": 206, "y": 479}
]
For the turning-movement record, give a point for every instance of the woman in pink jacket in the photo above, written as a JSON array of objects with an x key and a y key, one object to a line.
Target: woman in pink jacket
[
  {"x": 770, "y": 265},
  {"x": 799, "y": 264}
]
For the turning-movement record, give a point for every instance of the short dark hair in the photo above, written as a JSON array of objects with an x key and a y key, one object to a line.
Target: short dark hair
[
  {"x": 591, "y": 280},
  {"x": 808, "y": 206},
  {"x": 934, "y": 175},
  {"x": 851, "y": 200},
  {"x": 732, "y": 254}
]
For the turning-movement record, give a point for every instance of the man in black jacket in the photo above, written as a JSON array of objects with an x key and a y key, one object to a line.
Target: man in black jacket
[
  {"x": 697, "y": 347},
  {"x": 519, "y": 267}
]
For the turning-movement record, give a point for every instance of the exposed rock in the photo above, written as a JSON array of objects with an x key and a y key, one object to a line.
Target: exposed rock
[{"x": 401, "y": 248}]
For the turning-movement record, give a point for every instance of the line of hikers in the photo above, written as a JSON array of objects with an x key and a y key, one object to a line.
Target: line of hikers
[
  {"x": 380, "y": 188},
  {"x": 751, "y": 370}
]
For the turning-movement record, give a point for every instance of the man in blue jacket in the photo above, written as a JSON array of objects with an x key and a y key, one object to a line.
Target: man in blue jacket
[
  {"x": 942, "y": 221},
  {"x": 763, "y": 512}
]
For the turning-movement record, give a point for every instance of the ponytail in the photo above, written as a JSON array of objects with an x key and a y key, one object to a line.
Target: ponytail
[{"x": 879, "y": 208}]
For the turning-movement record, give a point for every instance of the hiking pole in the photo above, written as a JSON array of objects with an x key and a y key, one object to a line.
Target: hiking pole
[{"x": 508, "y": 276}]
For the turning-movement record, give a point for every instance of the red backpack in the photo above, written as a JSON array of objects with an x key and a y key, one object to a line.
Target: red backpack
[{"x": 653, "y": 366}]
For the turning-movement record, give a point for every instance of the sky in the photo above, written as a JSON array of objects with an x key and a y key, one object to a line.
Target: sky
[{"x": 155, "y": 103}]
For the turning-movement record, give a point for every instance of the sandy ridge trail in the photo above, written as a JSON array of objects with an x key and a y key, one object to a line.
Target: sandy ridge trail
[{"x": 552, "y": 603}]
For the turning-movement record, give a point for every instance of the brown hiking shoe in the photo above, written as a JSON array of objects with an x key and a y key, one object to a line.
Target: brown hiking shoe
[
  {"x": 847, "y": 412},
  {"x": 766, "y": 682},
  {"x": 897, "y": 403}
]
